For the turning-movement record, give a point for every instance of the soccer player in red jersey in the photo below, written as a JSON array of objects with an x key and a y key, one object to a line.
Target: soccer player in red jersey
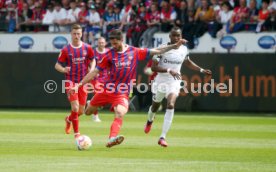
[
  {"x": 121, "y": 60},
  {"x": 99, "y": 53},
  {"x": 76, "y": 57}
]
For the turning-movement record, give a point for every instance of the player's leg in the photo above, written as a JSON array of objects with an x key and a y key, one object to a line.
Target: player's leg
[
  {"x": 90, "y": 109},
  {"x": 120, "y": 107},
  {"x": 73, "y": 99},
  {"x": 171, "y": 98},
  {"x": 74, "y": 117},
  {"x": 156, "y": 101},
  {"x": 95, "y": 116},
  {"x": 82, "y": 97}
]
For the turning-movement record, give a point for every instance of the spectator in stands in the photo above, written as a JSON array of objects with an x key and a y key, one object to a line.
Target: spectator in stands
[
  {"x": 111, "y": 19},
  {"x": 117, "y": 16},
  {"x": 83, "y": 15},
  {"x": 182, "y": 14},
  {"x": 93, "y": 27},
  {"x": 186, "y": 28},
  {"x": 258, "y": 3},
  {"x": 138, "y": 26},
  {"x": 66, "y": 4},
  {"x": 24, "y": 17},
  {"x": 153, "y": 21},
  {"x": 59, "y": 18},
  {"x": 216, "y": 5},
  {"x": 262, "y": 17},
  {"x": 43, "y": 4},
  {"x": 100, "y": 6},
  {"x": 223, "y": 18},
  {"x": 252, "y": 20},
  {"x": 204, "y": 18},
  {"x": 2, "y": 4},
  {"x": 168, "y": 16},
  {"x": 31, "y": 4},
  {"x": 271, "y": 21},
  {"x": 37, "y": 17},
  {"x": 240, "y": 15},
  {"x": 49, "y": 17},
  {"x": 125, "y": 13},
  {"x": 72, "y": 14},
  {"x": 11, "y": 18}
]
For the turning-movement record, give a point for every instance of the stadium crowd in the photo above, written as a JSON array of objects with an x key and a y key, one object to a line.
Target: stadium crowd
[{"x": 139, "y": 19}]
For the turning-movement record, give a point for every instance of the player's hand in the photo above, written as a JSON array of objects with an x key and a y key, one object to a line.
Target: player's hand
[
  {"x": 180, "y": 42},
  {"x": 67, "y": 69},
  {"x": 175, "y": 75},
  {"x": 148, "y": 71},
  {"x": 207, "y": 72}
]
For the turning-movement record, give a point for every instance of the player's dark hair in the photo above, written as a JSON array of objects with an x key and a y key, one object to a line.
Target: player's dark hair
[
  {"x": 76, "y": 26},
  {"x": 175, "y": 29},
  {"x": 116, "y": 34}
]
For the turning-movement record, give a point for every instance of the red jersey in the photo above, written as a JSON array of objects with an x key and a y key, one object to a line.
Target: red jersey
[
  {"x": 263, "y": 14},
  {"x": 78, "y": 58},
  {"x": 103, "y": 75},
  {"x": 122, "y": 67}
]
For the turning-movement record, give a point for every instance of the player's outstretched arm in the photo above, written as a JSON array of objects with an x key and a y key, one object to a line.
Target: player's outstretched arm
[
  {"x": 190, "y": 64},
  {"x": 167, "y": 48},
  {"x": 89, "y": 77},
  {"x": 62, "y": 69}
]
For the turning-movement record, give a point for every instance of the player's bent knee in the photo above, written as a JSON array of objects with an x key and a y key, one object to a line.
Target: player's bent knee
[
  {"x": 170, "y": 106},
  {"x": 81, "y": 112}
]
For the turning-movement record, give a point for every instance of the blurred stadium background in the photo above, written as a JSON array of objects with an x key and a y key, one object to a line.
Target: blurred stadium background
[{"x": 211, "y": 132}]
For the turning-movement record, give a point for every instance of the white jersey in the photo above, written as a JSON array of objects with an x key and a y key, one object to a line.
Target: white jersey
[{"x": 172, "y": 59}]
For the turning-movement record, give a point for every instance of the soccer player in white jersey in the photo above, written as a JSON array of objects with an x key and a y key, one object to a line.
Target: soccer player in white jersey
[{"x": 167, "y": 82}]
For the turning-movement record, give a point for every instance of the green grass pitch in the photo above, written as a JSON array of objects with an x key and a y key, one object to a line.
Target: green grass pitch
[{"x": 33, "y": 141}]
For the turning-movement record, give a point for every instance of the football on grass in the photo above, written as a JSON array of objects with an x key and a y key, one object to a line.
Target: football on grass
[{"x": 83, "y": 142}]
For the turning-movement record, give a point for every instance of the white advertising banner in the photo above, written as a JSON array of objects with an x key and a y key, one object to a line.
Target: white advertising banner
[
  {"x": 244, "y": 42},
  {"x": 33, "y": 42}
]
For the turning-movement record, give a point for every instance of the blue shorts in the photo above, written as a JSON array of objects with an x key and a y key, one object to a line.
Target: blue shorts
[{"x": 92, "y": 29}]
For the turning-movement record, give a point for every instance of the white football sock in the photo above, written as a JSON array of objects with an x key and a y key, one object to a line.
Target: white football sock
[
  {"x": 150, "y": 115},
  {"x": 167, "y": 122}
]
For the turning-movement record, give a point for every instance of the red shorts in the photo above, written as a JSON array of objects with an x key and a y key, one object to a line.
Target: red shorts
[
  {"x": 81, "y": 95},
  {"x": 102, "y": 99}
]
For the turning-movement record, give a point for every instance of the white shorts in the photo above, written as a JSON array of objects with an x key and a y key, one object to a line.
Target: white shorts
[{"x": 161, "y": 90}]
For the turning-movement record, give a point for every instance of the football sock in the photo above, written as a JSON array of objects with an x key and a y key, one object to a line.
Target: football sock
[
  {"x": 95, "y": 113},
  {"x": 115, "y": 127},
  {"x": 151, "y": 115},
  {"x": 74, "y": 117},
  {"x": 167, "y": 122}
]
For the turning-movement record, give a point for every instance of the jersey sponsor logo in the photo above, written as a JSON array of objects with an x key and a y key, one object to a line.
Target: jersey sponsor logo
[
  {"x": 59, "y": 42},
  {"x": 122, "y": 64},
  {"x": 26, "y": 42},
  {"x": 266, "y": 42},
  {"x": 228, "y": 42},
  {"x": 78, "y": 60},
  {"x": 172, "y": 61}
]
